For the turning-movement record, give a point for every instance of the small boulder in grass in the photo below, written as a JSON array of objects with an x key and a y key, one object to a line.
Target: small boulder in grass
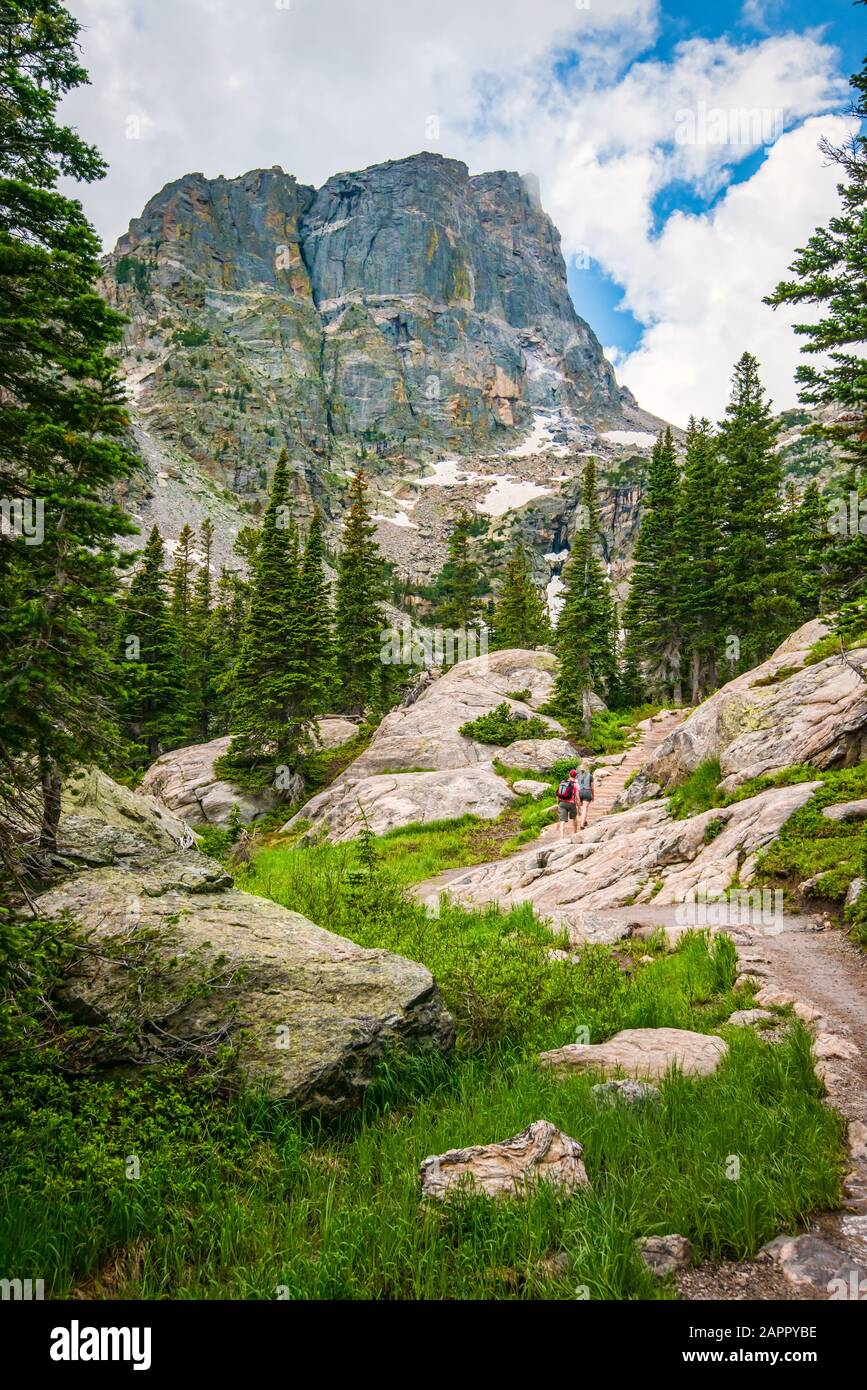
[
  {"x": 665, "y": 1255},
  {"x": 626, "y": 1093},
  {"x": 526, "y": 786},
  {"x": 512, "y": 1168}
]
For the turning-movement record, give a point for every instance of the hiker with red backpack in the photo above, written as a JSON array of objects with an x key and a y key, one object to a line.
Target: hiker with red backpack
[
  {"x": 567, "y": 801},
  {"x": 574, "y": 792}
]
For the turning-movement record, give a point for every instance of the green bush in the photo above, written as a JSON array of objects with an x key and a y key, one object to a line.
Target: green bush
[{"x": 502, "y": 726}]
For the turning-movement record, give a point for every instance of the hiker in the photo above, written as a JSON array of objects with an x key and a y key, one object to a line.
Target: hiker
[
  {"x": 586, "y": 794},
  {"x": 567, "y": 801}
]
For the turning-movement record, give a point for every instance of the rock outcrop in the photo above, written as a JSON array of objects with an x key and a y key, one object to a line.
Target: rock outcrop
[
  {"x": 406, "y": 302},
  {"x": 782, "y": 713},
  {"x": 310, "y": 1012},
  {"x": 103, "y": 823},
  {"x": 513, "y": 1168},
  {"x": 637, "y": 857},
  {"x": 186, "y": 782},
  {"x": 441, "y": 773}
]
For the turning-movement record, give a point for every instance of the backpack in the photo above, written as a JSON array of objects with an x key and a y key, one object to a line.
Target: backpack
[
  {"x": 585, "y": 783},
  {"x": 566, "y": 790}
]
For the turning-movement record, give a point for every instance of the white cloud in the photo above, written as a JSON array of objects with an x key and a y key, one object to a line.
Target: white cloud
[
  {"x": 323, "y": 85},
  {"x": 703, "y": 280}
]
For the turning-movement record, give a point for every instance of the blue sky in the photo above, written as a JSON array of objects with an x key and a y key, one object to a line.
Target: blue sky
[{"x": 597, "y": 296}]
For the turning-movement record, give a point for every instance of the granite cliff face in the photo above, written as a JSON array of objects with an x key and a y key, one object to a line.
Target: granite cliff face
[{"x": 405, "y": 309}]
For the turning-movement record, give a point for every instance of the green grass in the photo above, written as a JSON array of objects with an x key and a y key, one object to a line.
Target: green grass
[
  {"x": 699, "y": 792},
  {"x": 830, "y": 646},
  {"x": 808, "y": 844},
  {"x": 239, "y": 1198}
]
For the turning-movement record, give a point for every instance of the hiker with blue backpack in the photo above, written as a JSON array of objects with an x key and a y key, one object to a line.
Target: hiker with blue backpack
[{"x": 574, "y": 793}]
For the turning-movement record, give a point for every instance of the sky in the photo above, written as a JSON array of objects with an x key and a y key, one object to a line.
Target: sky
[{"x": 675, "y": 141}]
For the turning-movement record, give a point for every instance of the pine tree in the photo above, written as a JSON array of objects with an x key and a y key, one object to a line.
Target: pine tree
[
  {"x": 359, "y": 617},
  {"x": 585, "y": 629},
  {"x": 830, "y": 271},
  {"x": 62, "y": 431},
  {"x": 653, "y": 609},
  {"x": 520, "y": 618},
  {"x": 153, "y": 702},
  {"x": 701, "y": 557},
  {"x": 201, "y": 661},
  {"x": 181, "y": 589},
  {"x": 761, "y": 607},
  {"x": 810, "y": 550},
  {"x": 225, "y": 634},
  {"x": 270, "y": 716},
  {"x": 461, "y": 580},
  {"x": 318, "y": 638}
]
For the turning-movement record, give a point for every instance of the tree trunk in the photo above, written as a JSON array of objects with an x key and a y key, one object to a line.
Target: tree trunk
[
  {"x": 49, "y": 774},
  {"x": 585, "y": 710},
  {"x": 696, "y": 676}
]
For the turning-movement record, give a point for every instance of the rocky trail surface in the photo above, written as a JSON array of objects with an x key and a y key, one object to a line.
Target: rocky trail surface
[
  {"x": 612, "y": 774},
  {"x": 632, "y": 873}
]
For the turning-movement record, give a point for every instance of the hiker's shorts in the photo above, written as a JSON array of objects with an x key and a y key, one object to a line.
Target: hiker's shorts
[
  {"x": 584, "y": 796},
  {"x": 568, "y": 810}
]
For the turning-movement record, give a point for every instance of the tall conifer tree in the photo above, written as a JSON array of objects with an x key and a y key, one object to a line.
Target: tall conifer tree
[
  {"x": 359, "y": 616},
  {"x": 653, "y": 610},
  {"x": 316, "y": 617},
  {"x": 154, "y": 700},
  {"x": 270, "y": 716},
  {"x": 520, "y": 618},
  {"x": 460, "y": 581},
  {"x": 761, "y": 606},
  {"x": 62, "y": 429},
  {"x": 701, "y": 541},
  {"x": 585, "y": 629}
]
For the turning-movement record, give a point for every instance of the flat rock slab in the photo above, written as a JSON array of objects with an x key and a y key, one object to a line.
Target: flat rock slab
[
  {"x": 537, "y": 754},
  {"x": 643, "y": 1053},
  {"x": 814, "y": 1266},
  {"x": 643, "y": 860},
  {"x": 529, "y": 787},
  {"x": 747, "y": 1018},
  {"x": 540, "y": 1153}
]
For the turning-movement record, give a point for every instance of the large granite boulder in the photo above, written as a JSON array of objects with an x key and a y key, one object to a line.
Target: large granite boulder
[
  {"x": 185, "y": 781},
  {"x": 392, "y": 800},
  {"x": 783, "y": 712},
  {"x": 638, "y": 857},
  {"x": 420, "y": 767},
  {"x": 425, "y": 736},
  {"x": 309, "y": 1012}
]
